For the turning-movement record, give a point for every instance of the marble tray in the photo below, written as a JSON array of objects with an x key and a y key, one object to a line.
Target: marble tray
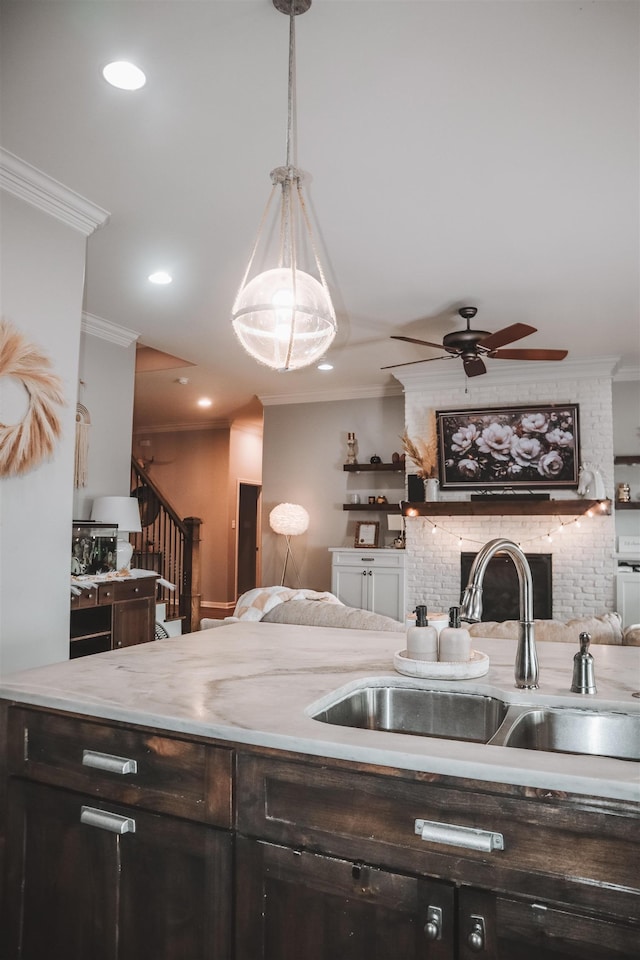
[{"x": 477, "y": 666}]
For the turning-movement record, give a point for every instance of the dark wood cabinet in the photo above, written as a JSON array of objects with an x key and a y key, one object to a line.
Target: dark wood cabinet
[
  {"x": 118, "y": 613},
  {"x": 296, "y": 903},
  {"x": 537, "y": 930},
  {"x": 81, "y": 889},
  {"x": 125, "y": 842},
  {"x": 302, "y": 904},
  {"x": 117, "y": 844},
  {"x": 342, "y": 846}
]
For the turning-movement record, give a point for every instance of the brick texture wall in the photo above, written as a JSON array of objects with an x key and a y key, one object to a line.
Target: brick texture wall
[{"x": 583, "y": 564}]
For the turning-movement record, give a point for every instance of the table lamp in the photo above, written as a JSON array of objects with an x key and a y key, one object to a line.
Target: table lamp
[{"x": 124, "y": 512}]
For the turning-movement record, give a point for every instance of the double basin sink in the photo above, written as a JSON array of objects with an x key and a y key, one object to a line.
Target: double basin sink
[{"x": 485, "y": 719}]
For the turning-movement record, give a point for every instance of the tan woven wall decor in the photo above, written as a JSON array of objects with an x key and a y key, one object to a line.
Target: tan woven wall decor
[{"x": 24, "y": 444}]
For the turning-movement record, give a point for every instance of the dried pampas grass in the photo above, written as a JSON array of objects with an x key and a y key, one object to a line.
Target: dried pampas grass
[
  {"x": 423, "y": 453},
  {"x": 24, "y": 444}
]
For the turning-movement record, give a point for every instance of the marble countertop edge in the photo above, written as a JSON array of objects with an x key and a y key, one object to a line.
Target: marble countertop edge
[{"x": 257, "y": 684}]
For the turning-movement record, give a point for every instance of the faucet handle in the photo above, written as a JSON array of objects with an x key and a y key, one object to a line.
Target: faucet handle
[
  {"x": 584, "y": 640},
  {"x": 583, "y": 668}
]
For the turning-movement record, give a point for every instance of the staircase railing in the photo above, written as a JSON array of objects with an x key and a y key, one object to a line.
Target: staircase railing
[{"x": 170, "y": 546}]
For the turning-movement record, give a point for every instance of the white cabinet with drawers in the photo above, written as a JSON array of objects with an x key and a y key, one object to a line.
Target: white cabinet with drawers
[{"x": 371, "y": 579}]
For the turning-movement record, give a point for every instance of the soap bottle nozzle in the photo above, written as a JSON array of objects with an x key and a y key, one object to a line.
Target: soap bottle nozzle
[{"x": 421, "y": 616}]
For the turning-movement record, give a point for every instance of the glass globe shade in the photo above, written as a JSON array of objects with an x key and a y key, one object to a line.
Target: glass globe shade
[{"x": 276, "y": 330}]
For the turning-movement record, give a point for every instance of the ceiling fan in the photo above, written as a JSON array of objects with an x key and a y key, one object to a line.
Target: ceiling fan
[{"x": 473, "y": 345}]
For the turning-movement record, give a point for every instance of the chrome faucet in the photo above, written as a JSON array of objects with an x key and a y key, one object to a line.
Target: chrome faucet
[{"x": 526, "y": 667}]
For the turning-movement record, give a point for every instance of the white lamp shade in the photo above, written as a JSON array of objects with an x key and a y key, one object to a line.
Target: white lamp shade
[
  {"x": 289, "y": 519},
  {"x": 284, "y": 318},
  {"x": 123, "y": 511}
]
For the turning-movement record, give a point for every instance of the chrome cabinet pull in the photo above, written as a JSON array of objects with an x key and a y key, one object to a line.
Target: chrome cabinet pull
[
  {"x": 476, "y": 938},
  {"x": 105, "y": 820},
  {"x": 108, "y": 762},
  {"x": 456, "y": 836},
  {"x": 433, "y": 926}
]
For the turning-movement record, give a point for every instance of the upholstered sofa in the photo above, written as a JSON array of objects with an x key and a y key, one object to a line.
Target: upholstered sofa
[{"x": 602, "y": 629}]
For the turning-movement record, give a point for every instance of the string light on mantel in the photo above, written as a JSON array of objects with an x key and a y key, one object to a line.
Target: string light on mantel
[{"x": 548, "y": 536}]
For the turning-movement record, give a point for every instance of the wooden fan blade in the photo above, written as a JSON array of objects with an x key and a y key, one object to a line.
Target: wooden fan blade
[
  {"x": 474, "y": 367},
  {"x": 411, "y": 362},
  {"x": 427, "y": 343},
  {"x": 507, "y": 335},
  {"x": 529, "y": 354}
]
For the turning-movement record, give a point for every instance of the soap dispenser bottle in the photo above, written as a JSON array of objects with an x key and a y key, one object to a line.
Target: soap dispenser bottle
[
  {"x": 455, "y": 641},
  {"x": 422, "y": 640}
]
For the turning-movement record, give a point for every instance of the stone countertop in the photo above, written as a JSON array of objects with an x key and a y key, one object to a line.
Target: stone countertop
[{"x": 253, "y": 683}]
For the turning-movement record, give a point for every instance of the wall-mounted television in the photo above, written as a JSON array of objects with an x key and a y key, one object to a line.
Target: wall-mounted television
[{"x": 529, "y": 447}]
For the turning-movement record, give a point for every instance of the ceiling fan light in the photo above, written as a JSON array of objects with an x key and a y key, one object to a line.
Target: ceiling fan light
[{"x": 284, "y": 318}]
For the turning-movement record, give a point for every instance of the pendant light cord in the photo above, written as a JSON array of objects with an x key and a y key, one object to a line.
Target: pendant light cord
[{"x": 291, "y": 98}]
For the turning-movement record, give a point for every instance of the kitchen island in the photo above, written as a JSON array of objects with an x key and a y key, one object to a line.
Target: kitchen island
[{"x": 262, "y": 832}]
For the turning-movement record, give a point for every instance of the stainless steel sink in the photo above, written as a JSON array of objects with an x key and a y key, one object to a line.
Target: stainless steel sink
[
  {"x": 430, "y": 713},
  {"x": 576, "y": 731},
  {"x": 484, "y": 719}
]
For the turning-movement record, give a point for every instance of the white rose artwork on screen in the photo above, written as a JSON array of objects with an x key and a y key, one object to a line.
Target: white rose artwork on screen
[{"x": 535, "y": 446}]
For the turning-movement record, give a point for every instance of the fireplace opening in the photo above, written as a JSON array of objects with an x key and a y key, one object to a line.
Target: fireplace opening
[{"x": 500, "y": 590}]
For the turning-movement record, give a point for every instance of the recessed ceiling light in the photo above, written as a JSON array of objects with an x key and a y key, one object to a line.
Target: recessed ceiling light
[
  {"x": 161, "y": 277},
  {"x": 325, "y": 365},
  {"x": 124, "y": 75},
  {"x": 204, "y": 402}
]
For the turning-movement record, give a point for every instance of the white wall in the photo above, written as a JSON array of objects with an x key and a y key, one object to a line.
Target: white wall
[
  {"x": 42, "y": 284},
  {"x": 105, "y": 388},
  {"x": 582, "y": 557},
  {"x": 305, "y": 447}
]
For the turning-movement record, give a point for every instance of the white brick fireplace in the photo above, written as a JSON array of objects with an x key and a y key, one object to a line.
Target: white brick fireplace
[{"x": 582, "y": 556}]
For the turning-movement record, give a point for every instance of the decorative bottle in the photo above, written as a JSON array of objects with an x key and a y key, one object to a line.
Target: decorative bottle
[
  {"x": 455, "y": 641},
  {"x": 422, "y": 640}
]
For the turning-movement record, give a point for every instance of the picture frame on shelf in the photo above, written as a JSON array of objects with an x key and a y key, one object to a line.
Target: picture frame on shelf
[
  {"x": 528, "y": 446},
  {"x": 367, "y": 533},
  {"x": 94, "y": 548}
]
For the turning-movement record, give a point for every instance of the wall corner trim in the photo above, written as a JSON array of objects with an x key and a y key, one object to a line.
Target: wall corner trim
[{"x": 40, "y": 190}]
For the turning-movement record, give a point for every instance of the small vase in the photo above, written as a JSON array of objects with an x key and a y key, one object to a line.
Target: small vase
[{"x": 431, "y": 490}]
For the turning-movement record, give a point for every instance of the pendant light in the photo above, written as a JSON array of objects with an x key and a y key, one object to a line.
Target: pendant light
[{"x": 284, "y": 316}]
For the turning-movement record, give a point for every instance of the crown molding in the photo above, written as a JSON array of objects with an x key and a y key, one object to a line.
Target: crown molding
[
  {"x": 627, "y": 373},
  {"x": 507, "y": 372},
  {"x": 373, "y": 391},
  {"x": 42, "y": 191},
  {"x": 105, "y": 330}
]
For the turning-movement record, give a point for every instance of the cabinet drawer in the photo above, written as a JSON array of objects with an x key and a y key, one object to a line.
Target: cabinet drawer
[
  {"x": 158, "y": 772},
  {"x": 88, "y": 598},
  {"x": 560, "y": 843},
  {"x": 369, "y": 558},
  {"x": 117, "y": 590}
]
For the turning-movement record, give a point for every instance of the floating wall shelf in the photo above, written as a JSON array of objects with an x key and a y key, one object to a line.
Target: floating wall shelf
[
  {"x": 373, "y": 467},
  {"x": 496, "y": 508}
]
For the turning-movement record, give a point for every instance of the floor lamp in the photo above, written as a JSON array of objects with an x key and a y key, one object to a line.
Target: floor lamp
[{"x": 290, "y": 520}]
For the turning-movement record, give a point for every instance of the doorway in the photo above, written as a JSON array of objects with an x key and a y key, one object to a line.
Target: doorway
[{"x": 248, "y": 563}]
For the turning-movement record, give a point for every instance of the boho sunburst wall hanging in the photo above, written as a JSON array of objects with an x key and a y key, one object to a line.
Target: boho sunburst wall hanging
[{"x": 25, "y": 443}]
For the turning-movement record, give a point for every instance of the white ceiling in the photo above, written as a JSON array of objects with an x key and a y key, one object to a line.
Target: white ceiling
[{"x": 474, "y": 152}]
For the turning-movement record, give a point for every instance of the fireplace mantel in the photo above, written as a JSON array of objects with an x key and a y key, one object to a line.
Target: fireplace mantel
[{"x": 503, "y": 508}]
